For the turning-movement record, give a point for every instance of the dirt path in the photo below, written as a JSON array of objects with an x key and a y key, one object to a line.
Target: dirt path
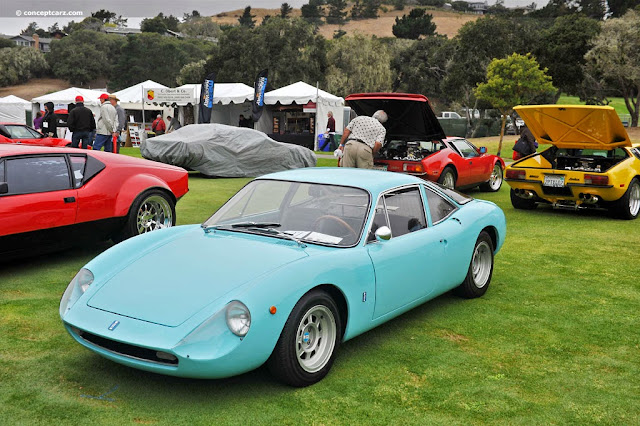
[{"x": 34, "y": 88}]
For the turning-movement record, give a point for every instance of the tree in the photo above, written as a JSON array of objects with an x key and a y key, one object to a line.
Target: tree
[
  {"x": 153, "y": 25},
  {"x": 104, "y": 15},
  {"x": 311, "y": 12},
  {"x": 357, "y": 10},
  {"x": 186, "y": 17},
  {"x": 84, "y": 56},
  {"x": 358, "y": 64},
  {"x": 30, "y": 30},
  {"x": 285, "y": 10},
  {"x": 515, "y": 80},
  {"x": 149, "y": 51},
  {"x": 371, "y": 7},
  {"x": 288, "y": 47},
  {"x": 246, "y": 20},
  {"x": 200, "y": 27},
  {"x": 337, "y": 13},
  {"x": 421, "y": 66},
  {"x": 615, "y": 57},
  {"x": 6, "y": 43},
  {"x": 562, "y": 49},
  {"x": 399, "y": 4},
  {"x": 18, "y": 65},
  {"x": 193, "y": 72},
  {"x": 414, "y": 25}
]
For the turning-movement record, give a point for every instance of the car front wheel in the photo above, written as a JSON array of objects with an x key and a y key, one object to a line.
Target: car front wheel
[
  {"x": 151, "y": 210},
  {"x": 495, "y": 180},
  {"x": 308, "y": 343},
  {"x": 628, "y": 206},
  {"x": 480, "y": 269}
]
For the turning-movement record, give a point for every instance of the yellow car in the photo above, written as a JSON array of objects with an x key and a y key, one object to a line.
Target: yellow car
[{"x": 591, "y": 163}]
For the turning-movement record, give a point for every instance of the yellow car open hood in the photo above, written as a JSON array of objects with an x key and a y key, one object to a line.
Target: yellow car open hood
[{"x": 575, "y": 126}]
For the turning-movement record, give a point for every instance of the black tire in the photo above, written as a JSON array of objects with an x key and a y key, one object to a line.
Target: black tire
[
  {"x": 447, "y": 177},
  {"x": 628, "y": 206},
  {"x": 480, "y": 269},
  {"x": 521, "y": 203},
  {"x": 321, "y": 334},
  {"x": 495, "y": 181},
  {"x": 151, "y": 210}
]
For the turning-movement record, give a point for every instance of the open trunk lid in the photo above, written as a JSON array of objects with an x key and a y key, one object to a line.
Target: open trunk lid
[
  {"x": 410, "y": 115},
  {"x": 575, "y": 126}
]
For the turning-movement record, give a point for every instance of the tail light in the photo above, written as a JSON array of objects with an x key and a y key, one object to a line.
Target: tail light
[
  {"x": 596, "y": 179},
  {"x": 516, "y": 174},
  {"x": 416, "y": 168}
]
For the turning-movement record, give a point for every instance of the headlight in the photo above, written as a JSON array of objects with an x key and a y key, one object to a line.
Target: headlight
[
  {"x": 238, "y": 318},
  {"x": 76, "y": 288}
]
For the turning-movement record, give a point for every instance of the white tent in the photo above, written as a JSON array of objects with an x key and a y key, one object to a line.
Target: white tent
[
  {"x": 63, "y": 98},
  {"x": 12, "y": 109},
  {"x": 230, "y": 100},
  {"x": 301, "y": 93},
  {"x": 131, "y": 97}
]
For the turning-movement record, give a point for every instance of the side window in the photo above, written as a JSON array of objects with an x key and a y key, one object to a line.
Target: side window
[
  {"x": 379, "y": 219},
  {"x": 439, "y": 207},
  {"x": 78, "y": 163},
  {"x": 405, "y": 211},
  {"x": 465, "y": 148},
  {"x": 37, "y": 174},
  {"x": 2, "y": 171}
]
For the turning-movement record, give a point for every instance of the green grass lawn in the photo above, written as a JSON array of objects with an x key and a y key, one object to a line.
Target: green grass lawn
[
  {"x": 617, "y": 103},
  {"x": 554, "y": 341}
]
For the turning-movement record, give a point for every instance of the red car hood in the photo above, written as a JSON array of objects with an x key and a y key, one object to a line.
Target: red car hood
[{"x": 410, "y": 115}]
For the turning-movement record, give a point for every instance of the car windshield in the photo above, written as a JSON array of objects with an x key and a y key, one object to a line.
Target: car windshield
[{"x": 313, "y": 213}]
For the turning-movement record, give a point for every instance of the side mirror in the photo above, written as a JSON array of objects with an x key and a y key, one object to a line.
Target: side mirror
[
  {"x": 383, "y": 233},
  {"x": 483, "y": 150},
  {"x": 4, "y": 188}
]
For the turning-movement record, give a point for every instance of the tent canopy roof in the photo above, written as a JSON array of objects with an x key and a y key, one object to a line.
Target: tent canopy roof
[
  {"x": 301, "y": 93},
  {"x": 133, "y": 94},
  {"x": 68, "y": 96},
  {"x": 11, "y": 99},
  {"x": 226, "y": 93}
]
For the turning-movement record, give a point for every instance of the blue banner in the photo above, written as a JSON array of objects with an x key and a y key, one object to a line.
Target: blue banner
[
  {"x": 258, "y": 96},
  {"x": 206, "y": 98}
]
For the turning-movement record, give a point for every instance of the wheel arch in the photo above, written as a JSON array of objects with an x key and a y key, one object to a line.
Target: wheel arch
[
  {"x": 451, "y": 166},
  {"x": 135, "y": 187},
  {"x": 493, "y": 234},
  {"x": 341, "y": 301}
]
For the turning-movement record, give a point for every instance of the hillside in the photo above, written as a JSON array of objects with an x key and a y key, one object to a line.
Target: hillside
[{"x": 447, "y": 23}]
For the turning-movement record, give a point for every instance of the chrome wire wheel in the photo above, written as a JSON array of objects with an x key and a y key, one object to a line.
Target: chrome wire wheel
[
  {"x": 634, "y": 199},
  {"x": 481, "y": 264},
  {"x": 154, "y": 212},
  {"x": 495, "y": 181},
  {"x": 315, "y": 338}
]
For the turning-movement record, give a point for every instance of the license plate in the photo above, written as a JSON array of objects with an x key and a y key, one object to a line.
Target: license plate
[
  {"x": 556, "y": 181},
  {"x": 380, "y": 167}
]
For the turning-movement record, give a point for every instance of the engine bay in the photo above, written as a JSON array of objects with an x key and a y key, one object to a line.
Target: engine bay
[
  {"x": 405, "y": 150},
  {"x": 584, "y": 160}
]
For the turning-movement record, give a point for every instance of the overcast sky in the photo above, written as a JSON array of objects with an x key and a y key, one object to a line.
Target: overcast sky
[{"x": 15, "y": 15}]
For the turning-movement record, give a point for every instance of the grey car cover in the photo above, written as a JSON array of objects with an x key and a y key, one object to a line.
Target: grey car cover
[{"x": 226, "y": 151}]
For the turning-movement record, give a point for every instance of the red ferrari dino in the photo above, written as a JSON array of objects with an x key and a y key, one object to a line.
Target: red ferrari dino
[
  {"x": 53, "y": 198},
  {"x": 416, "y": 144},
  {"x": 25, "y": 135}
]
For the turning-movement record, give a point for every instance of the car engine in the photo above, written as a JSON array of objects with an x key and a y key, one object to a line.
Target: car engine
[
  {"x": 588, "y": 160},
  {"x": 408, "y": 150}
]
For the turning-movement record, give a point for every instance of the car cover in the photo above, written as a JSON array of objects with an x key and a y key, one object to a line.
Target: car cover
[{"x": 226, "y": 151}]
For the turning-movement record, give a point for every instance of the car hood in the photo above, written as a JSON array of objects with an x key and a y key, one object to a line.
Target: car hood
[
  {"x": 575, "y": 126},
  {"x": 410, "y": 116},
  {"x": 175, "y": 280}
]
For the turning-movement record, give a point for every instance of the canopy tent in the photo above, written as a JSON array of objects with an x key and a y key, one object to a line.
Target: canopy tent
[
  {"x": 230, "y": 100},
  {"x": 132, "y": 97},
  {"x": 12, "y": 109},
  {"x": 63, "y": 98},
  {"x": 301, "y": 93}
]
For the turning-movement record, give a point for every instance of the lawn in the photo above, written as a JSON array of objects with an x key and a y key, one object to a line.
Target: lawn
[{"x": 554, "y": 340}]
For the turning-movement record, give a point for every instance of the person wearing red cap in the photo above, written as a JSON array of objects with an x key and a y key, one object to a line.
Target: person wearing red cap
[
  {"x": 107, "y": 125},
  {"x": 81, "y": 123}
]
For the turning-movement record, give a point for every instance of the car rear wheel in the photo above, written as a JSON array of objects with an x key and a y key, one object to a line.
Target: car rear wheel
[
  {"x": 309, "y": 341},
  {"x": 151, "y": 210},
  {"x": 521, "y": 203},
  {"x": 448, "y": 178},
  {"x": 628, "y": 206},
  {"x": 480, "y": 270},
  {"x": 495, "y": 180}
]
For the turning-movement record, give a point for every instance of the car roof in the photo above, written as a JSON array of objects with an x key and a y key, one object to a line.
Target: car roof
[
  {"x": 374, "y": 181},
  {"x": 18, "y": 149}
]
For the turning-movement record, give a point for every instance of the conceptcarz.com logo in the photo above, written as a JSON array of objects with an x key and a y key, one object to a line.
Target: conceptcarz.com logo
[{"x": 113, "y": 325}]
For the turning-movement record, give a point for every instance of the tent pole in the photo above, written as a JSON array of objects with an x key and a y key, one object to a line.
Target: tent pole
[{"x": 144, "y": 124}]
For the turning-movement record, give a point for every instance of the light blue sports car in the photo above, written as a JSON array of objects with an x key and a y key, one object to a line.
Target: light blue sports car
[{"x": 291, "y": 266}]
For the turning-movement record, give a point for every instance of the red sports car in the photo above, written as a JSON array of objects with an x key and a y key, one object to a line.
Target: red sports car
[
  {"x": 25, "y": 135},
  {"x": 52, "y": 198},
  {"x": 416, "y": 144}
]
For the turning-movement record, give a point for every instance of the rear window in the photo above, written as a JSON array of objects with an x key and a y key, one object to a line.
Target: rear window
[{"x": 456, "y": 196}]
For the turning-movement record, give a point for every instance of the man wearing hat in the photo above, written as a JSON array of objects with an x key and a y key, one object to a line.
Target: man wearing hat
[
  {"x": 81, "y": 123},
  {"x": 122, "y": 120},
  {"x": 107, "y": 125}
]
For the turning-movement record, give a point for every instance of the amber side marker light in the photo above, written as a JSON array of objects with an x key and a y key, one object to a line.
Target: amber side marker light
[{"x": 272, "y": 310}]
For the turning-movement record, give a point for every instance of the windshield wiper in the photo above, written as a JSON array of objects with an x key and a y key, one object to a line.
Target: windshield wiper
[
  {"x": 278, "y": 233},
  {"x": 256, "y": 225},
  {"x": 208, "y": 228}
]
